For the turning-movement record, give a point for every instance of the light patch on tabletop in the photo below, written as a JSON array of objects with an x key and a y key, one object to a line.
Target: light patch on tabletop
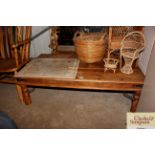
[{"x": 51, "y": 67}]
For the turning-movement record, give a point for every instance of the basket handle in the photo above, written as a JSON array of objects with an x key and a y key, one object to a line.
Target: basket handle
[
  {"x": 76, "y": 34},
  {"x": 102, "y": 37}
]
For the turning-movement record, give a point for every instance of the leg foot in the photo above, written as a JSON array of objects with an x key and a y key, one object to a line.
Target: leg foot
[{"x": 135, "y": 101}]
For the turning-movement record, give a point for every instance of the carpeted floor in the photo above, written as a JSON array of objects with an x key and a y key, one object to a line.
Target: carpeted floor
[{"x": 55, "y": 108}]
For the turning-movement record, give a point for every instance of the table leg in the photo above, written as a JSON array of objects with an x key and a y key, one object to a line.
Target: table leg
[
  {"x": 24, "y": 94},
  {"x": 20, "y": 93},
  {"x": 135, "y": 101}
]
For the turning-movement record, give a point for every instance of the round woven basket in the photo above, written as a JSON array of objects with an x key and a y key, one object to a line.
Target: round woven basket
[{"x": 90, "y": 47}]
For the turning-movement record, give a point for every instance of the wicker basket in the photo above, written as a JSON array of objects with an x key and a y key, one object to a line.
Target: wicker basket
[{"x": 90, "y": 47}]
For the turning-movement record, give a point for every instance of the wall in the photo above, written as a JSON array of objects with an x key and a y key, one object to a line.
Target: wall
[
  {"x": 40, "y": 44},
  {"x": 147, "y": 99},
  {"x": 149, "y": 32}
]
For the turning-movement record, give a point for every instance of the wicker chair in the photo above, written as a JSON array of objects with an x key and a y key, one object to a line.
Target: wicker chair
[{"x": 131, "y": 46}]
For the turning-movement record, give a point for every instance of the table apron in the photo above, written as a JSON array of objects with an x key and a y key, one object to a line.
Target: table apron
[{"x": 83, "y": 85}]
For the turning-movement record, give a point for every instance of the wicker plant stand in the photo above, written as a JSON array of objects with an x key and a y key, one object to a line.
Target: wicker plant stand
[{"x": 131, "y": 47}]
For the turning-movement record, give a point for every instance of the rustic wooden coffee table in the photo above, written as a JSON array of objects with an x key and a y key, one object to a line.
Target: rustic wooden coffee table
[{"x": 88, "y": 77}]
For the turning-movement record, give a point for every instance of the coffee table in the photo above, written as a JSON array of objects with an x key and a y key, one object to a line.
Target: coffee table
[{"x": 88, "y": 77}]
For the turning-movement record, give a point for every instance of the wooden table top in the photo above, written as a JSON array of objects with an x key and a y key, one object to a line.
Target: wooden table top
[{"x": 90, "y": 76}]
